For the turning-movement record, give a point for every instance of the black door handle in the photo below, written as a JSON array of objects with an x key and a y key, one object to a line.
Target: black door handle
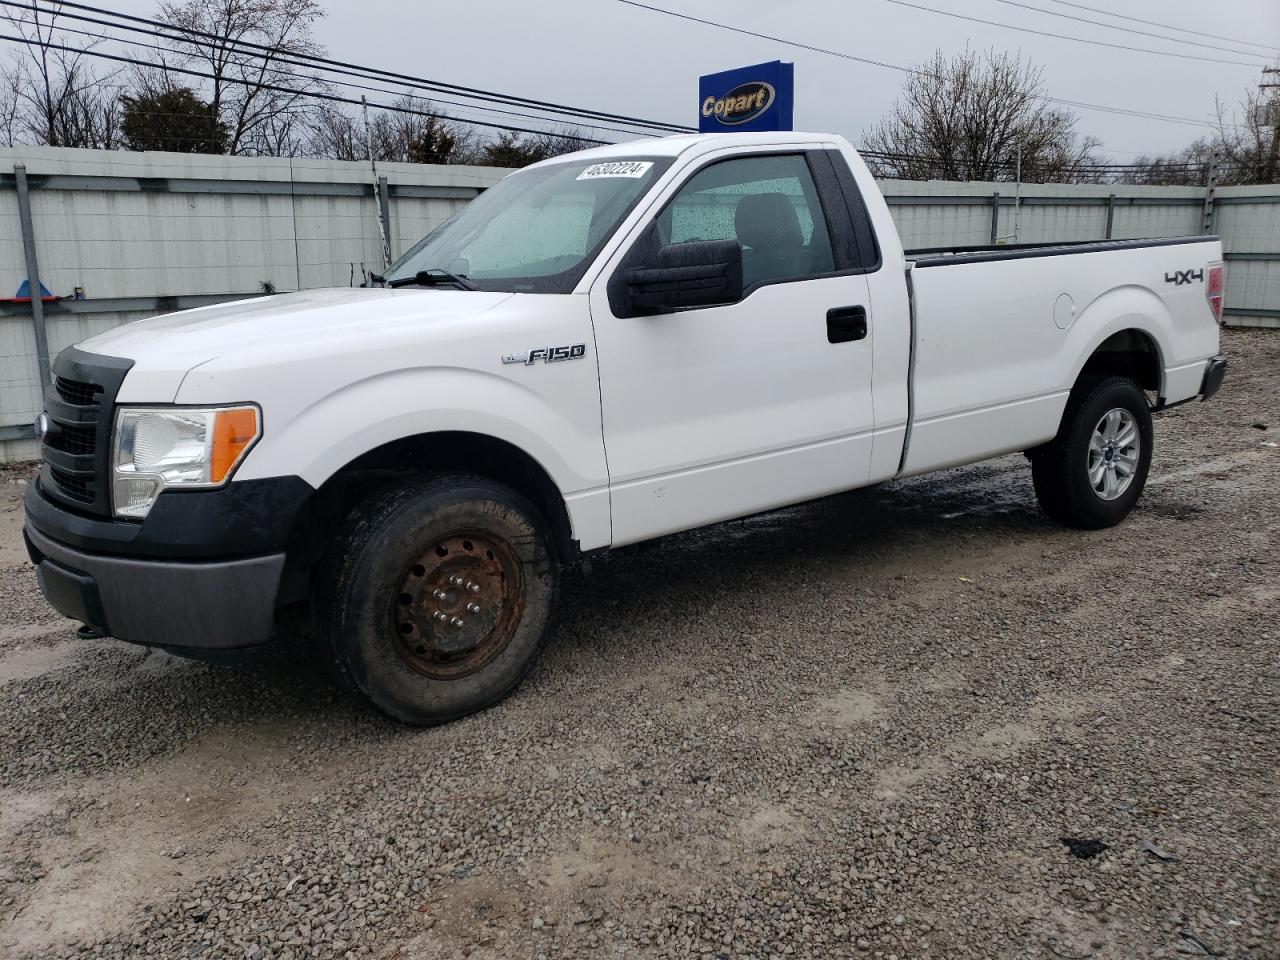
[{"x": 846, "y": 323}]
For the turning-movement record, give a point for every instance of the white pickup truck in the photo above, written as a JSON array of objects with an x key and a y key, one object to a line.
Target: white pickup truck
[{"x": 602, "y": 349}]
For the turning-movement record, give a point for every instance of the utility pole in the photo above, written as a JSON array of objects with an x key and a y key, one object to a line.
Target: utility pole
[
  {"x": 1269, "y": 106},
  {"x": 1210, "y": 191},
  {"x": 379, "y": 189}
]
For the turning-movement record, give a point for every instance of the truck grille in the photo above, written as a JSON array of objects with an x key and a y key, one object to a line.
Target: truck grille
[
  {"x": 77, "y": 488},
  {"x": 80, "y": 405},
  {"x": 76, "y": 393},
  {"x": 73, "y": 439}
]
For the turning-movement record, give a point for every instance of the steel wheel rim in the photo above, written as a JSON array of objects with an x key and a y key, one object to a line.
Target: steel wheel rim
[
  {"x": 458, "y": 605},
  {"x": 1115, "y": 447}
]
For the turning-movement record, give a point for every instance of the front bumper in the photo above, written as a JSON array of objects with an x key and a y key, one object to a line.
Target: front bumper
[
  {"x": 218, "y": 605},
  {"x": 205, "y": 571}
]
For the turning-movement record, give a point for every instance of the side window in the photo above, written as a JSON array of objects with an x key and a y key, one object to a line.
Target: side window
[{"x": 768, "y": 204}]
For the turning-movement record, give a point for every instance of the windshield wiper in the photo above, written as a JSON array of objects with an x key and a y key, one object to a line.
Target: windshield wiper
[{"x": 433, "y": 277}]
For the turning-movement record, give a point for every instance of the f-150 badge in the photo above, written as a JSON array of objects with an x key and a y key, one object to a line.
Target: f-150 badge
[{"x": 572, "y": 351}]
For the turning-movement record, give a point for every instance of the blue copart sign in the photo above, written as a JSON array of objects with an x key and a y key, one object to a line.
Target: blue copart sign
[{"x": 761, "y": 97}]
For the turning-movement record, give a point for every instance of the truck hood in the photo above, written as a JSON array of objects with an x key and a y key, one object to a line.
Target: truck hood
[{"x": 164, "y": 349}]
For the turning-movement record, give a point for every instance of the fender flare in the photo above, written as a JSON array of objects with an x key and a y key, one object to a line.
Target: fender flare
[{"x": 1139, "y": 309}]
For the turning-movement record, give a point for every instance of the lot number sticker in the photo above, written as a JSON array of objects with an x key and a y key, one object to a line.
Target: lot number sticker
[{"x": 631, "y": 170}]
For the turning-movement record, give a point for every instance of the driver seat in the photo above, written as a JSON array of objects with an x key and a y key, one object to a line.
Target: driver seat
[{"x": 773, "y": 243}]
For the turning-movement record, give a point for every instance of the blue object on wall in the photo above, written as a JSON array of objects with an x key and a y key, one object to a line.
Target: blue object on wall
[
  {"x": 760, "y": 97},
  {"x": 24, "y": 292}
]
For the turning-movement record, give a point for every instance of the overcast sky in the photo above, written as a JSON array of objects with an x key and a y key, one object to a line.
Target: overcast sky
[{"x": 606, "y": 55}]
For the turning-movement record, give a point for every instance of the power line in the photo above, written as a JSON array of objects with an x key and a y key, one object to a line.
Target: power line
[
  {"x": 1122, "y": 111},
  {"x": 881, "y": 155},
  {"x": 313, "y": 94},
  {"x": 1152, "y": 23},
  {"x": 1125, "y": 112},
  {"x": 1064, "y": 36},
  {"x": 1100, "y": 169},
  {"x": 370, "y": 72},
  {"x": 284, "y": 61},
  {"x": 1144, "y": 33},
  {"x": 765, "y": 36}
]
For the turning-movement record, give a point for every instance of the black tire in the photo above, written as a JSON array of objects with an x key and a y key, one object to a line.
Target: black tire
[
  {"x": 1061, "y": 468},
  {"x": 386, "y": 581}
]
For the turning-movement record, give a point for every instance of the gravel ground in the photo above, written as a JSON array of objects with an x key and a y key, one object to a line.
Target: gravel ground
[{"x": 857, "y": 728}]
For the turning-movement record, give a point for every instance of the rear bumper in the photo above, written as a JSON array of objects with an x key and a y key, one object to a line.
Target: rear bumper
[{"x": 1214, "y": 373}]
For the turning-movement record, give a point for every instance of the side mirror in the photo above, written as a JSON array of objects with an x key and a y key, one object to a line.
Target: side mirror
[{"x": 700, "y": 273}]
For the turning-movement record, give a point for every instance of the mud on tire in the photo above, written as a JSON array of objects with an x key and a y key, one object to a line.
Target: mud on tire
[{"x": 436, "y": 597}]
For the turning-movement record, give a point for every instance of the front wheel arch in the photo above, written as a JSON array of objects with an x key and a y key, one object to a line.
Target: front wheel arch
[{"x": 434, "y": 454}]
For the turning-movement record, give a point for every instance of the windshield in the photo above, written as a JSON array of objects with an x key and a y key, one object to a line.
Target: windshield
[{"x": 537, "y": 231}]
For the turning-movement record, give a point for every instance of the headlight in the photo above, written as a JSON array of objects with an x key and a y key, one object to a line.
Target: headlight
[{"x": 159, "y": 447}]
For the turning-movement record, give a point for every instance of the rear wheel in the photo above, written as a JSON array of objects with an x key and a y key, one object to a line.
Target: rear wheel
[
  {"x": 1093, "y": 472},
  {"x": 436, "y": 599}
]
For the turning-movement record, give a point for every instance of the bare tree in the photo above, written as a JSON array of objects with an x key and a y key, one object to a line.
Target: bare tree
[
  {"x": 10, "y": 105},
  {"x": 52, "y": 94},
  {"x": 969, "y": 117},
  {"x": 334, "y": 133},
  {"x": 413, "y": 131},
  {"x": 1244, "y": 147},
  {"x": 1186, "y": 167},
  {"x": 564, "y": 140},
  {"x": 516, "y": 150},
  {"x": 262, "y": 96}
]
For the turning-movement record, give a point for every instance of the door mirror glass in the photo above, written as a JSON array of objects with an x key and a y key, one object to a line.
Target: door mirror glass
[{"x": 700, "y": 273}]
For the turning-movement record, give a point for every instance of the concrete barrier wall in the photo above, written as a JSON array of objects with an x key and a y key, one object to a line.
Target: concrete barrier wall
[{"x": 144, "y": 233}]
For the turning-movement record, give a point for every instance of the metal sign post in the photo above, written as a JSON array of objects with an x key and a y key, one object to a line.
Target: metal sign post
[
  {"x": 378, "y": 189},
  {"x": 33, "y": 272}
]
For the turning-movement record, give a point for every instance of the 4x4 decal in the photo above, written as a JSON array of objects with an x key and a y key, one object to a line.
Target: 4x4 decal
[{"x": 1179, "y": 277}]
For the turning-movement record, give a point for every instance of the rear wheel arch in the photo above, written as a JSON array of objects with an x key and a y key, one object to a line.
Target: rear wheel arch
[{"x": 1132, "y": 353}]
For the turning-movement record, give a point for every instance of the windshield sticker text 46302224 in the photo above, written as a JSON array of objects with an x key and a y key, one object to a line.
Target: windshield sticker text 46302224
[{"x": 627, "y": 169}]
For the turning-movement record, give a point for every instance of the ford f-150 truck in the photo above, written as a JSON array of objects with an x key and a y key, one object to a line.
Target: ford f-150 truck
[{"x": 602, "y": 349}]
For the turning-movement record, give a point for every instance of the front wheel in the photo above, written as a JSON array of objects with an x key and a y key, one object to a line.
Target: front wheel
[
  {"x": 436, "y": 598},
  {"x": 1093, "y": 472}
]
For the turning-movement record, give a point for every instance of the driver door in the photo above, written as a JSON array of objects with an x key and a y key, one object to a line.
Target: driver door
[{"x": 722, "y": 411}]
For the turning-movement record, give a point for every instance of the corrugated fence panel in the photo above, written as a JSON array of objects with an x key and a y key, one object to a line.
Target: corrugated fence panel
[
  {"x": 337, "y": 239},
  {"x": 20, "y": 390},
  {"x": 1157, "y": 220},
  {"x": 1248, "y": 219},
  {"x": 203, "y": 228},
  {"x": 134, "y": 244},
  {"x": 412, "y": 218},
  {"x": 1039, "y": 223},
  {"x": 938, "y": 225}
]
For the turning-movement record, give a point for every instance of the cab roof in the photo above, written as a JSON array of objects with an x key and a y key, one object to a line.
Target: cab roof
[{"x": 676, "y": 145}]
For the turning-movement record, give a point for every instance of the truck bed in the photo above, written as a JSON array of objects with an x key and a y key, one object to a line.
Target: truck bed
[
  {"x": 1001, "y": 336},
  {"x": 944, "y": 256}
]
